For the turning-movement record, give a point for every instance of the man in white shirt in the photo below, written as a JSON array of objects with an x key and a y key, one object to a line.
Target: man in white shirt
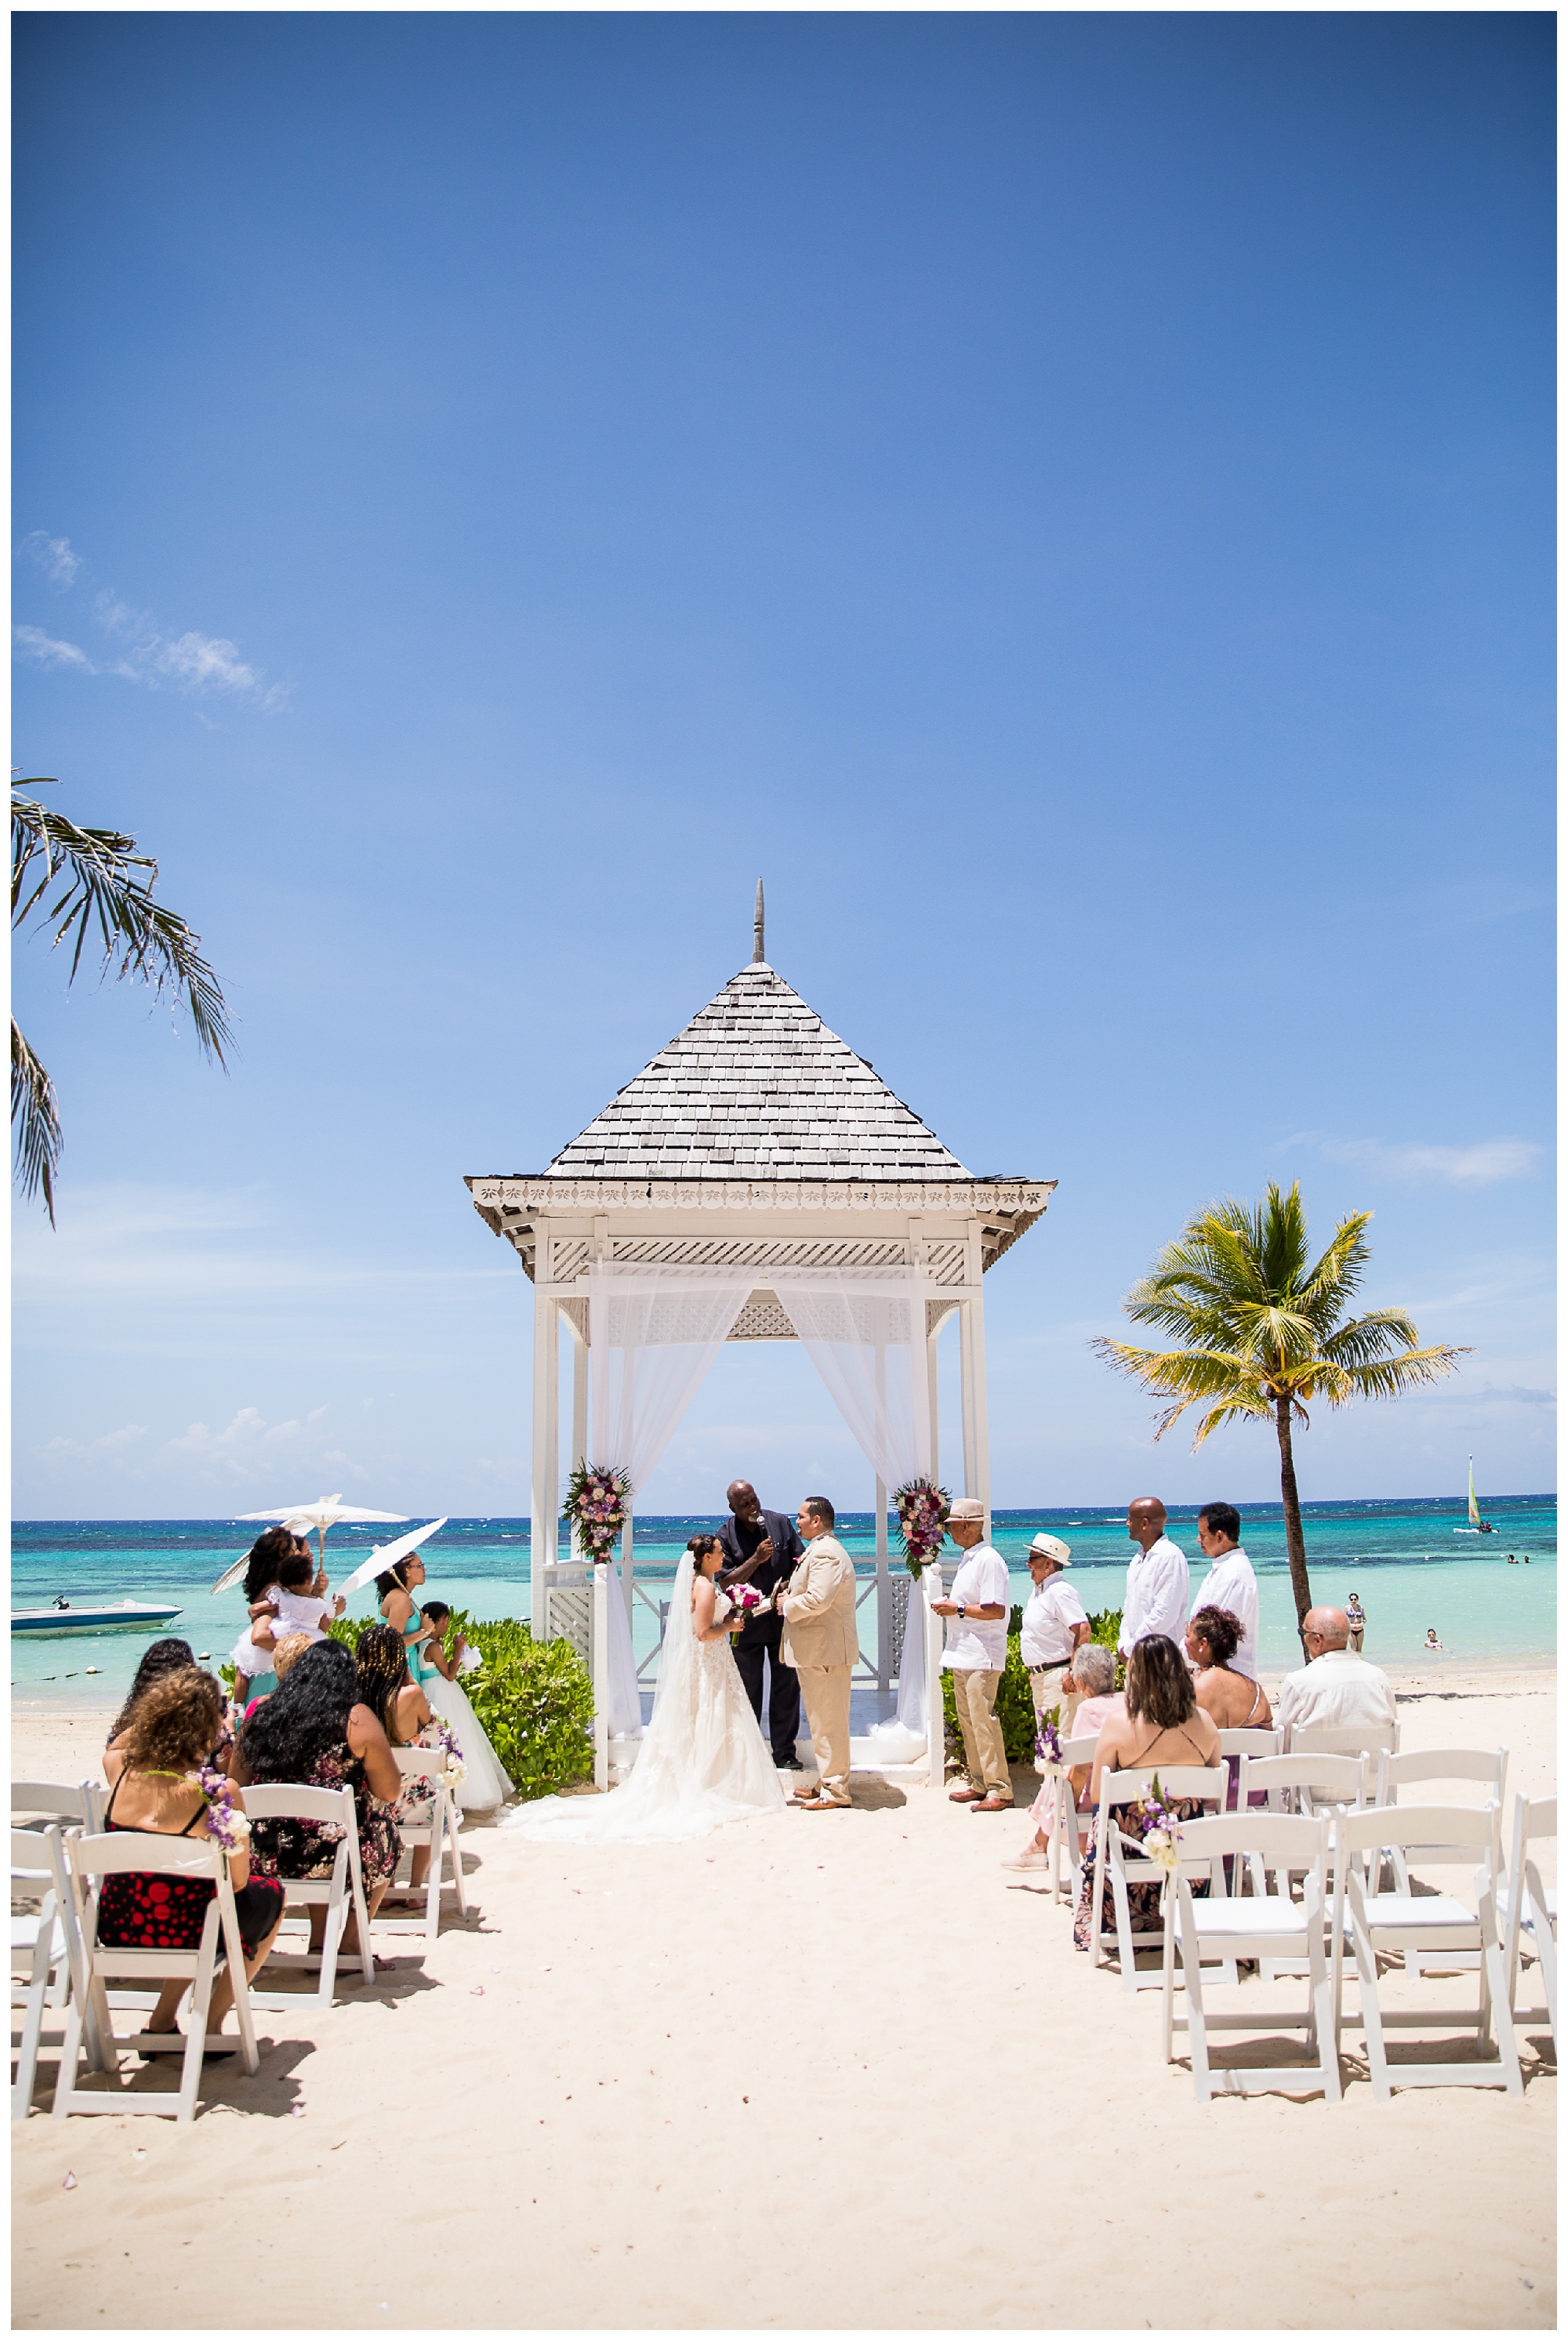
[
  {"x": 1157, "y": 1597},
  {"x": 1231, "y": 1583},
  {"x": 1055, "y": 1623},
  {"x": 1338, "y": 1691},
  {"x": 976, "y": 1611}
]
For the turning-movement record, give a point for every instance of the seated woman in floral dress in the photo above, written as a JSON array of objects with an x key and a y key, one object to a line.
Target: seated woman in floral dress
[
  {"x": 159, "y": 1791},
  {"x": 315, "y": 1732},
  {"x": 1163, "y": 1725}
]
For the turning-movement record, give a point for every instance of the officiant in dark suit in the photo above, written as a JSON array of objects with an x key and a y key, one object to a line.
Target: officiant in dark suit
[{"x": 761, "y": 1549}]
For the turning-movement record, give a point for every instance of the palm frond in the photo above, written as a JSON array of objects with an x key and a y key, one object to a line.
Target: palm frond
[
  {"x": 108, "y": 889},
  {"x": 34, "y": 1122},
  {"x": 1235, "y": 1409},
  {"x": 1371, "y": 1336},
  {"x": 1412, "y": 1370}
]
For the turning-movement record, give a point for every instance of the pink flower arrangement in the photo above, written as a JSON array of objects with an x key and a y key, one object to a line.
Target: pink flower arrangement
[
  {"x": 747, "y": 1597},
  {"x": 596, "y": 1500},
  {"x": 922, "y": 1509}
]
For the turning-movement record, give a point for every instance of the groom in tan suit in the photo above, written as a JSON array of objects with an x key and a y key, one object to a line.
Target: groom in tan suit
[{"x": 822, "y": 1643}]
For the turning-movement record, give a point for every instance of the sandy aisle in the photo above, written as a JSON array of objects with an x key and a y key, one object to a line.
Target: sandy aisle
[{"x": 801, "y": 2075}]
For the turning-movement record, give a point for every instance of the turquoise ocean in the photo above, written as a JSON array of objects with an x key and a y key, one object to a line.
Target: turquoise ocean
[{"x": 1403, "y": 1557}]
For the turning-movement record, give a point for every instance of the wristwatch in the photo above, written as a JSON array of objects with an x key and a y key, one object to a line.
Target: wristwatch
[{"x": 961, "y": 1609}]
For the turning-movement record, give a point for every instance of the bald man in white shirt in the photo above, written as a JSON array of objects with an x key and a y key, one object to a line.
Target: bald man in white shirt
[{"x": 1157, "y": 1597}]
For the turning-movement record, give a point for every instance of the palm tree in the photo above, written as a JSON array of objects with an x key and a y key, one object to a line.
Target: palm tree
[
  {"x": 1262, "y": 1332},
  {"x": 104, "y": 883}
]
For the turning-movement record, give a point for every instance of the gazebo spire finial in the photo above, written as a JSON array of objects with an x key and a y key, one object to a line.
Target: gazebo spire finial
[{"x": 758, "y": 951}]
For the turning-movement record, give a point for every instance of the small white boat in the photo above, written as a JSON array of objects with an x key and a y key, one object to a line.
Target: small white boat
[
  {"x": 63, "y": 1617},
  {"x": 1478, "y": 1526}
]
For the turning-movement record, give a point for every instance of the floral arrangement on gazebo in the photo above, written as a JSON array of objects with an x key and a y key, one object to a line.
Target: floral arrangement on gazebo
[
  {"x": 922, "y": 1509},
  {"x": 597, "y": 1496}
]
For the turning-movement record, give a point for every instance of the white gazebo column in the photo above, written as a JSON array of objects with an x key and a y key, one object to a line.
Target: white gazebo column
[
  {"x": 544, "y": 1493},
  {"x": 966, "y": 1389},
  {"x": 579, "y": 1411},
  {"x": 981, "y": 1484},
  {"x": 626, "y": 1563},
  {"x": 884, "y": 1596}
]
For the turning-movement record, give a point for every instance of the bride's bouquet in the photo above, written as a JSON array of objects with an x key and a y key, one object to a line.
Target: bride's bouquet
[{"x": 747, "y": 1599}]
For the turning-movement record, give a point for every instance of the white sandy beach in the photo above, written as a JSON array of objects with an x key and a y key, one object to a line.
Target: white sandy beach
[{"x": 822, "y": 2071}]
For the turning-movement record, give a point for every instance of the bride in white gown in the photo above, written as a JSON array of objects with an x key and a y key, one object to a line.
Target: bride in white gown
[{"x": 703, "y": 1760}]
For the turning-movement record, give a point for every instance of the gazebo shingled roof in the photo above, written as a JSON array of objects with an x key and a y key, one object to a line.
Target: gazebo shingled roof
[{"x": 756, "y": 1087}]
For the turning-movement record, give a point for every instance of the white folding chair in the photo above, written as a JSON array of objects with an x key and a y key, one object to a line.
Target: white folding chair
[
  {"x": 438, "y": 1830},
  {"x": 1067, "y": 1821},
  {"x": 1307, "y": 1785},
  {"x": 1272, "y": 1928},
  {"x": 1524, "y": 1901},
  {"x": 1350, "y": 1739},
  {"x": 35, "y": 1803},
  {"x": 41, "y": 1950},
  {"x": 1312, "y": 1786},
  {"x": 1489, "y": 1766},
  {"x": 1419, "y": 1925},
  {"x": 1247, "y": 1740},
  {"x": 87, "y": 1861},
  {"x": 1117, "y": 1856},
  {"x": 342, "y": 1892}
]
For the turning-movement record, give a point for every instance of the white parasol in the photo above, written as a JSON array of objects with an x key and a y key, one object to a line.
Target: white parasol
[
  {"x": 324, "y": 1513},
  {"x": 388, "y": 1555}
]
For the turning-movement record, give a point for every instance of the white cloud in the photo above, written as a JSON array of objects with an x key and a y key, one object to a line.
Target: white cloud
[
  {"x": 249, "y": 1449},
  {"x": 113, "y": 1443},
  {"x": 195, "y": 663},
  {"x": 45, "y": 650},
  {"x": 54, "y": 556},
  {"x": 1485, "y": 1163},
  {"x": 200, "y": 660}
]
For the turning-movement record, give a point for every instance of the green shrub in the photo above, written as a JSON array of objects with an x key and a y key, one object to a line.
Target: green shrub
[
  {"x": 1014, "y": 1700},
  {"x": 534, "y": 1698}
]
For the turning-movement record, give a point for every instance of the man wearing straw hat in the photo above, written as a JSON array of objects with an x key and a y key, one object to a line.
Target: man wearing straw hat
[
  {"x": 1055, "y": 1624},
  {"x": 976, "y": 1653}
]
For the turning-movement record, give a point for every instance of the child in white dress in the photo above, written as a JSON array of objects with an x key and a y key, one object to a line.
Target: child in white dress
[{"x": 291, "y": 1605}]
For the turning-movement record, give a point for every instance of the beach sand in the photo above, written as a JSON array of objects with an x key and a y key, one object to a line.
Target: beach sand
[{"x": 821, "y": 2071}]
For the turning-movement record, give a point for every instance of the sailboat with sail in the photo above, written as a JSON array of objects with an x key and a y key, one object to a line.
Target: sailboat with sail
[{"x": 1478, "y": 1526}]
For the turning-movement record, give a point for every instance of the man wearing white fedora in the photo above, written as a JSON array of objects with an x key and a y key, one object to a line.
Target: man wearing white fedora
[
  {"x": 1055, "y": 1624},
  {"x": 976, "y": 1653}
]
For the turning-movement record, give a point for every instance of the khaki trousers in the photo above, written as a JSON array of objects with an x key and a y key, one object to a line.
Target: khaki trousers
[
  {"x": 985, "y": 1754},
  {"x": 826, "y": 1691},
  {"x": 1046, "y": 1692}
]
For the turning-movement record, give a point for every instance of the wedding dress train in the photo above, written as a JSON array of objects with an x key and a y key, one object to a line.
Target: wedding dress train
[{"x": 701, "y": 1761}]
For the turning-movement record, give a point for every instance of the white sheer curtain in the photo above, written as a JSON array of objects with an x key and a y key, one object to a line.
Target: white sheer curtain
[
  {"x": 864, "y": 1331},
  {"x": 653, "y": 1332}
]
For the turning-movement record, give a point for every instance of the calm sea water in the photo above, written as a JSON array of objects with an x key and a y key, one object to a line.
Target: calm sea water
[{"x": 1403, "y": 1557}]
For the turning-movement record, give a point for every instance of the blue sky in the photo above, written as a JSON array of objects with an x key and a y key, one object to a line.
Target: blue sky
[{"x": 1067, "y": 498}]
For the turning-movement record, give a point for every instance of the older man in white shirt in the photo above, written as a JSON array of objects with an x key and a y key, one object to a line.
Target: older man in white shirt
[
  {"x": 1155, "y": 1601},
  {"x": 976, "y": 1654},
  {"x": 1231, "y": 1583},
  {"x": 1055, "y": 1623},
  {"x": 1338, "y": 1691}
]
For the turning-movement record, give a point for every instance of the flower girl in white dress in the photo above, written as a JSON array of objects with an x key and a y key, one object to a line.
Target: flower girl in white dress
[{"x": 701, "y": 1761}]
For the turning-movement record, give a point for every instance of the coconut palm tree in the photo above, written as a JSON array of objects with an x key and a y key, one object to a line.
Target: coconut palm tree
[
  {"x": 107, "y": 886},
  {"x": 1262, "y": 1330}
]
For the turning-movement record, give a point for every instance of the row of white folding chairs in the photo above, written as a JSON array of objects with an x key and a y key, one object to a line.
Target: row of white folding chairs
[
  {"x": 57, "y": 1962},
  {"x": 1070, "y": 1832},
  {"x": 1303, "y": 1783},
  {"x": 1338, "y": 1859}
]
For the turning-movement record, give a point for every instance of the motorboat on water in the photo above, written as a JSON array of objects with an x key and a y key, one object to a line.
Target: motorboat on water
[{"x": 63, "y": 1617}]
